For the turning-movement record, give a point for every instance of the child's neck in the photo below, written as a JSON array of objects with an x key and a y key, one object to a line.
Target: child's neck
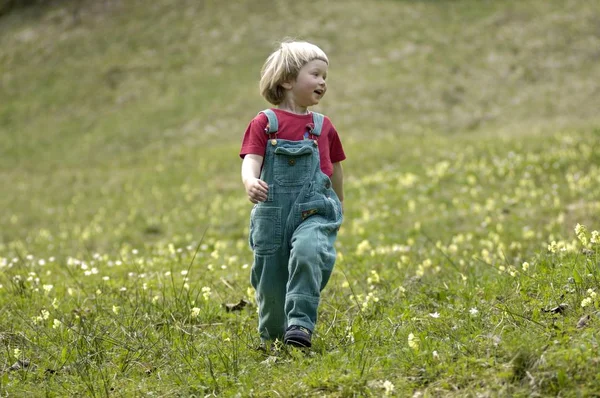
[{"x": 292, "y": 107}]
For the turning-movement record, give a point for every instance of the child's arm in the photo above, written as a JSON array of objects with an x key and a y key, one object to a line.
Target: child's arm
[
  {"x": 337, "y": 179},
  {"x": 255, "y": 188}
]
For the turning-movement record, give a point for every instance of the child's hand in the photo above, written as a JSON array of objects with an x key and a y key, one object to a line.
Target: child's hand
[{"x": 256, "y": 189}]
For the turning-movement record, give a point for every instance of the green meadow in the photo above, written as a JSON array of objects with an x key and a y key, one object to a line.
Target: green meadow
[{"x": 469, "y": 258}]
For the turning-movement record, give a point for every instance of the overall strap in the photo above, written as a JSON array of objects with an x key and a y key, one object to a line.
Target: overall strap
[
  {"x": 272, "y": 125},
  {"x": 318, "y": 122}
]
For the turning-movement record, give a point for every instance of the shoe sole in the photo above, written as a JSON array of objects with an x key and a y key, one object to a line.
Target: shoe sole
[{"x": 297, "y": 343}]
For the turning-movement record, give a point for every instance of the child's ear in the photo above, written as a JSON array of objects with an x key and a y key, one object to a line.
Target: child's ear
[{"x": 287, "y": 85}]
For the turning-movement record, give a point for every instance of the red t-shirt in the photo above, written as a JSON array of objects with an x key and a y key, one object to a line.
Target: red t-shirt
[{"x": 292, "y": 127}]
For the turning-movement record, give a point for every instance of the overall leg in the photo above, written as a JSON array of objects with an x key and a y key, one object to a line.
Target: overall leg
[
  {"x": 268, "y": 277},
  {"x": 311, "y": 261}
]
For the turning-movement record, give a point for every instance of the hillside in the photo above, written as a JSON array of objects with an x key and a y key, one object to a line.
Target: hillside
[{"x": 107, "y": 90}]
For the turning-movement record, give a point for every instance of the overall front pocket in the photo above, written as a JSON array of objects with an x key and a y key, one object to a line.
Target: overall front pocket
[
  {"x": 265, "y": 229},
  {"x": 292, "y": 165},
  {"x": 311, "y": 209}
]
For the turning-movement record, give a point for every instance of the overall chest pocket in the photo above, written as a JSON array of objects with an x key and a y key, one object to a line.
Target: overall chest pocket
[{"x": 292, "y": 165}]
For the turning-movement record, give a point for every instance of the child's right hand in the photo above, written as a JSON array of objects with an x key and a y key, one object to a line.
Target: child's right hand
[{"x": 256, "y": 189}]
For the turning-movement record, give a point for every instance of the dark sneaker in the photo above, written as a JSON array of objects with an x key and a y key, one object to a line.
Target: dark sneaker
[{"x": 298, "y": 336}]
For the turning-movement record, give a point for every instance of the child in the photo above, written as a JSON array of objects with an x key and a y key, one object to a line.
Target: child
[{"x": 298, "y": 197}]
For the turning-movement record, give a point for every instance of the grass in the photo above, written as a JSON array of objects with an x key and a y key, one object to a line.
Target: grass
[{"x": 471, "y": 133}]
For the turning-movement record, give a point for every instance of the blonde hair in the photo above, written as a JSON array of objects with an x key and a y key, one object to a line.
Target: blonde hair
[{"x": 283, "y": 65}]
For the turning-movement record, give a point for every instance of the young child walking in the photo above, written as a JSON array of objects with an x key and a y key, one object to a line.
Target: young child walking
[{"x": 292, "y": 173}]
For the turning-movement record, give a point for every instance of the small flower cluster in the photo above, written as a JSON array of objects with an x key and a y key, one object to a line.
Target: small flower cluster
[
  {"x": 591, "y": 298},
  {"x": 349, "y": 334},
  {"x": 363, "y": 248},
  {"x": 206, "y": 292},
  {"x": 581, "y": 232},
  {"x": 562, "y": 246},
  {"x": 373, "y": 279},
  {"x": 511, "y": 270},
  {"x": 365, "y": 301},
  {"x": 388, "y": 387},
  {"x": 413, "y": 342},
  {"x": 595, "y": 239},
  {"x": 582, "y": 235},
  {"x": 44, "y": 315}
]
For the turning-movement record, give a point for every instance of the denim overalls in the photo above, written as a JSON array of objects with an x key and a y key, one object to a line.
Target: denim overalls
[{"x": 293, "y": 233}]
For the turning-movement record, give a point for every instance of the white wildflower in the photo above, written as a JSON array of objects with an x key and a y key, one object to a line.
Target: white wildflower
[
  {"x": 206, "y": 292},
  {"x": 388, "y": 387}
]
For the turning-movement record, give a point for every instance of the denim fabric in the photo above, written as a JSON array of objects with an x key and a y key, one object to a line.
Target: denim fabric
[{"x": 292, "y": 235}]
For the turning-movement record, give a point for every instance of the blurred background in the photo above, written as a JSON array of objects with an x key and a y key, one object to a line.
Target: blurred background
[{"x": 121, "y": 121}]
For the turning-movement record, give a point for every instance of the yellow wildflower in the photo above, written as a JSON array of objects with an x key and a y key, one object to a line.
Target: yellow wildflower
[
  {"x": 586, "y": 301},
  {"x": 595, "y": 237},
  {"x": 363, "y": 247},
  {"x": 413, "y": 342}
]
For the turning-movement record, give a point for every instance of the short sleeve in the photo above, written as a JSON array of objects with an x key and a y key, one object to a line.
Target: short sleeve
[
  {"x": 255, "y": 139},
  {"x": 336, "y": 151}
]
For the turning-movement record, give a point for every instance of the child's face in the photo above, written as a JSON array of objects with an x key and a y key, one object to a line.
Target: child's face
[{"x": 309, "y": 87}]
